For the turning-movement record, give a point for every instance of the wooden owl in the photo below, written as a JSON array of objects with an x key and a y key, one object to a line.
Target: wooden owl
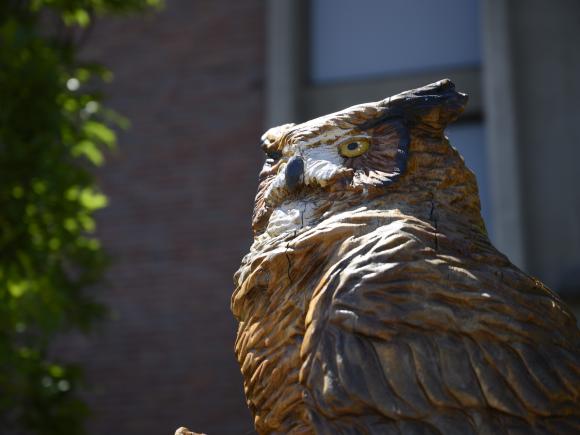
[{"x": 372, "y": 301}]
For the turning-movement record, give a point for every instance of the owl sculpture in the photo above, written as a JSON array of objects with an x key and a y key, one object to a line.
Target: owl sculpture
[{"x": 372, "y": 301}]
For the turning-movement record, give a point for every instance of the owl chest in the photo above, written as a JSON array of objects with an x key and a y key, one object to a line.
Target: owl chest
[{"x": 268, "y": 349}]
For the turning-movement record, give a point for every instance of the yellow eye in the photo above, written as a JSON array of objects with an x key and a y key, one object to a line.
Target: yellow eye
[{"x": 354, "y": 148}]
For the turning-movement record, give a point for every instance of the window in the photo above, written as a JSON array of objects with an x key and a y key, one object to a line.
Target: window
[{"x": 356, "y": 40}]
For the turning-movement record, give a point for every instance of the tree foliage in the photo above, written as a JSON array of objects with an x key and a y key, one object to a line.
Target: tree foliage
[{"x": 53, "y": 128}]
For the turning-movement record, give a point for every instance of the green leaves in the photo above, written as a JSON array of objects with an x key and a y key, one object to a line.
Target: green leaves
[
  {"x": 53, "y": 130},
  {"x": 100, "y": 133},
  {"x": 90, "y": 150},
  {"x": 79, "y": 17}
]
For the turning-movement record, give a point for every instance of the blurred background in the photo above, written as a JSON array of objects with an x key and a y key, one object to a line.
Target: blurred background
[{"x": 201, "y": 80}]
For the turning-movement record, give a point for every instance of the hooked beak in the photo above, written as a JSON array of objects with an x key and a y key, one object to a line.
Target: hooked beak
[{"x": 294, "y": 172}]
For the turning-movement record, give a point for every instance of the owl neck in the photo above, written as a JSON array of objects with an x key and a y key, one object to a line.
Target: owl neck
[
  {"x": 292, "y": 218},
  {"x": 317, "y": 229}
]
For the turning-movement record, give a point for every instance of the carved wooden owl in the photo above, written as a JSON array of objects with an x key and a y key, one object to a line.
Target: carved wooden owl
[{"x": 372, "y": 301}]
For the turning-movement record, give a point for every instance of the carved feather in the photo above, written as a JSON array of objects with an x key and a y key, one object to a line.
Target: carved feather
[{"x": 381, "y": 306}]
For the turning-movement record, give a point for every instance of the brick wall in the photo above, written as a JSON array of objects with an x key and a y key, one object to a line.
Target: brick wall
[{"x": 181, "y": 188}]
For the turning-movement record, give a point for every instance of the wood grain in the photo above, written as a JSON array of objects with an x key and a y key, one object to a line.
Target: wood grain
[{"x": 388, "y": 310}]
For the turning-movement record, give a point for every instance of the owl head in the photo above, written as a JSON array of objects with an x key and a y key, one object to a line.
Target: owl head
[{"x": 394, "y": 148}]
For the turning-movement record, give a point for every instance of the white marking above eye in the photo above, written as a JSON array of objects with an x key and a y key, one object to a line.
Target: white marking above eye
[{"x": 322, "y": 160}]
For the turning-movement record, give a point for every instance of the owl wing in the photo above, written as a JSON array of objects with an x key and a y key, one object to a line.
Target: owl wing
[{"x": 423, "y": 346}]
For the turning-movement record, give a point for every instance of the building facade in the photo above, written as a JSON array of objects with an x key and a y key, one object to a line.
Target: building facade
[{"x": 181, "y": 188}]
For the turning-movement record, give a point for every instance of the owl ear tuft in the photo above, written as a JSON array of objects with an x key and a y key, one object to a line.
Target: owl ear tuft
[
  {"x": 437, "y": 104},
  {"x": 434, "y": 105}
]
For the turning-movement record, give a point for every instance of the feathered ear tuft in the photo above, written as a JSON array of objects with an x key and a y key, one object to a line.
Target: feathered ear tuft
[
  {"x": 434, "y": 105},
  {"x": 437, "y": 104}
]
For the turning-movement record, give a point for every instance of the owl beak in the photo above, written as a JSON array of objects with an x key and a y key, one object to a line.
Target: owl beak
[{"x": 294, "y": 172}]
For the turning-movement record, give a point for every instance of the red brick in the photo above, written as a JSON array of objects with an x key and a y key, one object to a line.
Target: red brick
[{"x": 181, "y": 188}]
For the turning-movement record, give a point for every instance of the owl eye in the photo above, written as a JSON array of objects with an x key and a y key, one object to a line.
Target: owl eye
[{"x": 354, "y": 148}]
